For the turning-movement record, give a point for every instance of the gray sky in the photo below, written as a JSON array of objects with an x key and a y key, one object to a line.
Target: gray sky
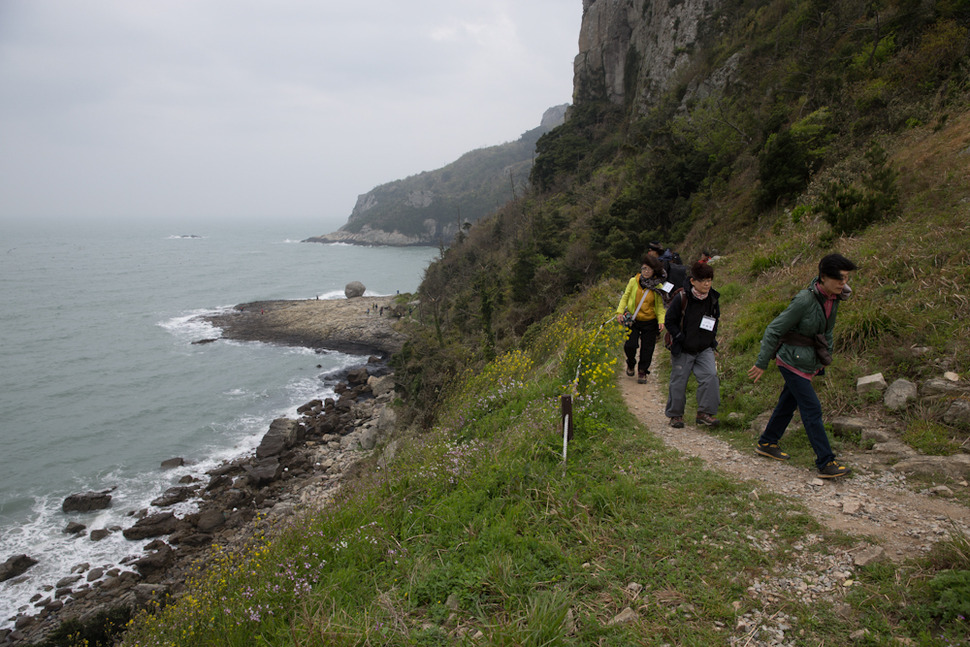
[{"x": 242, "y": 109}]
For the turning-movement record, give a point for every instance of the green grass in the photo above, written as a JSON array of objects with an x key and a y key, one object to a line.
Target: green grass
[
  {"x": 930, "y": 437},
  {"x": 478, "y": 528}
]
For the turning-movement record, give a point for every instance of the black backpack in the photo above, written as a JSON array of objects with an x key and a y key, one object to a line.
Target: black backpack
[
  {"x": 668, "y": 338},
  {"x": 677, "y": 276}
]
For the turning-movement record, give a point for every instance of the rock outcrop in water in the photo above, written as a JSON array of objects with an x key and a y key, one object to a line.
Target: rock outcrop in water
[
  {"x": 348, "y": 325},
  {"x": 87, "y": 501}
]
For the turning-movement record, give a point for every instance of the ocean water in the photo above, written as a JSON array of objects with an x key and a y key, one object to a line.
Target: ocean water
[{"x": 100, "y": 381}]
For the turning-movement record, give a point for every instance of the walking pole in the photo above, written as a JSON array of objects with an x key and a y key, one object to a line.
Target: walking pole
[{"x": 566, "y": 406}]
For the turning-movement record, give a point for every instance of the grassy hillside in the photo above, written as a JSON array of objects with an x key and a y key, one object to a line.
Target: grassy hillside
[{"x": 479, "y": 533}]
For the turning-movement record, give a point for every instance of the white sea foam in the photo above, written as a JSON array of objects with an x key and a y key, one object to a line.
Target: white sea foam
[
  {"x": 192, "y": 326},
  {"x": 58, "y": 554}
]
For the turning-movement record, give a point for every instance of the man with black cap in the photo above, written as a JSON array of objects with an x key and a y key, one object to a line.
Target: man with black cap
[{"x": 800, "y": 342}]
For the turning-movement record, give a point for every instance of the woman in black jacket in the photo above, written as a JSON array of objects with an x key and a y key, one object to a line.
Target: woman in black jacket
[{"x": 691, "y": 320}]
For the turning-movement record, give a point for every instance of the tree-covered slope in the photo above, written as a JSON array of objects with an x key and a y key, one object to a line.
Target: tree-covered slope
[{"x": 796, "y": 127}]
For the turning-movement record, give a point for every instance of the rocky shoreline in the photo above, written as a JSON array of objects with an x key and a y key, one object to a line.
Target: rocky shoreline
[
  {"x": 368, "y": 237},
  {"x": 360, "y": 325},
  {"x": 298, "y": 465}
]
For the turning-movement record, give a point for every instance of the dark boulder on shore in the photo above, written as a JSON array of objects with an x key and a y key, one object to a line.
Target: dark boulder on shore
[
  {"x": 75, "y": 528},
  {"x": 87, "y": 501},
  {"x": 283, "y": 434},
  {"x": 357, "y": 376},
  {"x": 14, "y": 566},
  {"x": 174, "y": 495},
  {"x": 161, "y": 558},
  {"x": 154, "y": 525},
  {"x": 354, "y": 289},
  {"x": 264, "y": 471},
  {"x": 210, "y": 520}
]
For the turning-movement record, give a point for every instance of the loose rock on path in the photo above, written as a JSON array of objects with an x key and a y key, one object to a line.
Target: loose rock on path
[
  {"x": 890, "y": 519},
  {"x": 875, "y": 502}
]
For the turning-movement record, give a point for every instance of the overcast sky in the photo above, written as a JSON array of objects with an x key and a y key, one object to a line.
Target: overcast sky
[{"x": 242, "y": 109}]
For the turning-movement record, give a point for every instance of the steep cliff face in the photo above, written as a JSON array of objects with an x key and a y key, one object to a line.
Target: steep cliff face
[{"x": 631, "y": 51}]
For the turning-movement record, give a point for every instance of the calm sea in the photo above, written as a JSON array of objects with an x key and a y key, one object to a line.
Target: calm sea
[{"x": 100, "y": 381}]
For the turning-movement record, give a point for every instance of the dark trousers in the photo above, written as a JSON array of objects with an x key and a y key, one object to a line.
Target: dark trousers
[
  {"x": 643, "y": 335},
  {"x": 799, "y": 393}
]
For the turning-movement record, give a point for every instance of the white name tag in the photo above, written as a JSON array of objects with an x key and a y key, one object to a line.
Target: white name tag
[
  {"x": 667, "y": 287},
  {"x": 707, "y": 323}
]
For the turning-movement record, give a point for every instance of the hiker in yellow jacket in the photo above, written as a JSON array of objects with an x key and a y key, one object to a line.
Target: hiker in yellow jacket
[{"x": 642, "y": 310}]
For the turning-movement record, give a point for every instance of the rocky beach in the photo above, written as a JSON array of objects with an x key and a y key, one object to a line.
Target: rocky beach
[{"x": 299, "y": 465}]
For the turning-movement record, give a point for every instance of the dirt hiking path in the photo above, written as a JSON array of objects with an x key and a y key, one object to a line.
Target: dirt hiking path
[{"x": 874, "y": 504}]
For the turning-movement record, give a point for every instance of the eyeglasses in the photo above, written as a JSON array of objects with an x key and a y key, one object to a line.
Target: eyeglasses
[{"x": 702, "y": 280}]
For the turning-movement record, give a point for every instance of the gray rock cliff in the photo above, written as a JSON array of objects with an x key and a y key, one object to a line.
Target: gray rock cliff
[{"x": 631, "y": 51}]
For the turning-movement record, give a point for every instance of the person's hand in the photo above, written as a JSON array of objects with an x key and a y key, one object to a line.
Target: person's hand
[
  {"x": 619, "y": 317},
  {"x": 661, "y": 327},
  {"x": 755, "y": 373}
]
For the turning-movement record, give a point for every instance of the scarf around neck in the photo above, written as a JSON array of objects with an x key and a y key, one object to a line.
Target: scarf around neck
[{"x": 652, "y": 283}]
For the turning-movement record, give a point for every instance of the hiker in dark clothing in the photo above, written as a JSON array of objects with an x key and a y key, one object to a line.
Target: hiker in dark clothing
[{"x": 691, "y": 320}]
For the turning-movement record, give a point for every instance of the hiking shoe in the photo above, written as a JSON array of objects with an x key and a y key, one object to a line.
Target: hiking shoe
[
  {"x": 707, "y": 420},
  {"x": 771, "y": 450},
  {"x": 677, "y": 422},
  {"x": 641, "y": 378},
  {"x": 629, "y": 371},
  {"x": 833, "y": 470}
]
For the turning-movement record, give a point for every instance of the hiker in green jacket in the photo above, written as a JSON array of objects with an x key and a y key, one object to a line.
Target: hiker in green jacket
[{"x": 800, "y": 342}]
